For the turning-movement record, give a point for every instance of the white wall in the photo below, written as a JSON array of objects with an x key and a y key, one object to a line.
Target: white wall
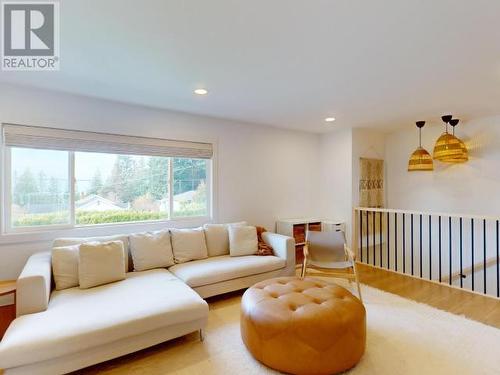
[
  {"x": 335, "y": 184},
  {"x": 263, "y": 173},
  {"x": 470, "y": 188},
  {"x": 340, "y": 153}
]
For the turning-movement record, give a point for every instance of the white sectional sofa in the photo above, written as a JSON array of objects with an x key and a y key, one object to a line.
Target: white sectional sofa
[{"x": 58, "y": 331}]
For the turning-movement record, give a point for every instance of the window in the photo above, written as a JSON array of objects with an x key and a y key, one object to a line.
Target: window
[
  {"x": 39, "y": 187},
  {"x": 82, "y": 185},
  {"x": 120, "y": 188},
  {"x": 190, "y": 187}
]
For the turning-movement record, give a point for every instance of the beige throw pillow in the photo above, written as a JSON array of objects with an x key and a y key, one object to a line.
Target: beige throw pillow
[
  {"x": 101, "y": 263},
  {"x": 65, "y": 266},
  {"x": 58, "y": 242},
  {"x": 151, "y": 250},
  {"x": 217, "y": 238},
  {"x": 188, "y": 244},
  {"x": 242, "y": 240}
]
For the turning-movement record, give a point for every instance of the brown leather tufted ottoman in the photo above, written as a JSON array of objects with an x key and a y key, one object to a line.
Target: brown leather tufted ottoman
[{"x": 304, "y": 326}]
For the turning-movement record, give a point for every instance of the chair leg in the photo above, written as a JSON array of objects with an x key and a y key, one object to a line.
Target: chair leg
[
  {"x": 357, "y": 281},
  {"x": 303, "y": 269},
  {"x": 202, "y": 335}
]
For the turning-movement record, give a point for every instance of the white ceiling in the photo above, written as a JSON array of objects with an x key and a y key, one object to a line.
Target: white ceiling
[{"x": 287, "y": 63}]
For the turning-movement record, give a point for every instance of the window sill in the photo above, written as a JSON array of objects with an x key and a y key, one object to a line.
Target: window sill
[{"x": 49, "y": 234}]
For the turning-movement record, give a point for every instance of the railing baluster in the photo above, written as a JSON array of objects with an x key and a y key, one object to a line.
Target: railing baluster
[
  {"x": 461, "y": 256},
  {"x": 374, "y": 239},
  {"x": 412, "y": 245},
  {"x": 430, "y": 248},
  {"x": 498, "y": 260},
  {"x": 388, "y": 242},
  {"x": 368, "y": 237},
  {"x": 404, "y": 242},
  {"x": 451, "y": 261},
  {"x": 420, "y": 245},
  {"x": 396, "y": 242},
  {"x": 484, "y": 256},
  {"x": 472, "y": 249},
  {"x": 361, "y": 234},
  {"x": 439, "y": 237},
  {"x": 380, "y": 238}
]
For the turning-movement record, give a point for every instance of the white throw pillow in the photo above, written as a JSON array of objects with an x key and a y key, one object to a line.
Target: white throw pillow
[
  {"x": 151, "y": 250},
  {"x": 101, "y": 263},
  {"x": 188, "y": 244},
  {"x": 65, "y": 266},
  {"x": 217, "y": 238},
  {"x": 242, "y": 240},
  {"x": 58, "y": 242}
]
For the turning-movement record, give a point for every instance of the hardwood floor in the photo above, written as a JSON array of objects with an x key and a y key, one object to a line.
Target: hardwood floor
[{"x": 456, "y": 301}]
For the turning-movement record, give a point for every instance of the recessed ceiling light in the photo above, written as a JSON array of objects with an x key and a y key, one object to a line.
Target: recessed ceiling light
[
  {"x": 201, "y": 91},
  {"x": 330, "y": 119}
]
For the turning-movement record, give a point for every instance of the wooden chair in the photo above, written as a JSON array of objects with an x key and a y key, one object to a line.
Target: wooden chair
[{"x": 326, "y": 254}]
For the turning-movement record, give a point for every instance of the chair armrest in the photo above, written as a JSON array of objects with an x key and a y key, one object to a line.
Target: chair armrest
[
  {"x": 283, "y": 246},
  {"x": 33, "y": 285}
]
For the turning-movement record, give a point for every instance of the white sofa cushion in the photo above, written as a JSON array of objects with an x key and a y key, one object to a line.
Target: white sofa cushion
[
  {"x": 188, "y": 244},
  {"x": 151, "y": 250},
  {"x": 217, "y": 238},
  {"x": 216, "y": 269},
  {"x": 242, "y": 240},
  {"x": 78, "y": 319},
  {"x": 65, "y": 266},
  {"x": 67, "y": 241},
  {"x": 100, "y": 263}
]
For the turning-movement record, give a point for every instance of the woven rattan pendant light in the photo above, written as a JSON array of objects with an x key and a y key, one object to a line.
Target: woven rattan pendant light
[
  {"x": 447, "y": 146},
  {"x": 465, "y": 153},
  {"x": 420, "y": 160}
]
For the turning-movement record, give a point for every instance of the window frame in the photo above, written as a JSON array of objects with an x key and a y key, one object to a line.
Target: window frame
[{"x": 7, "y": 228}]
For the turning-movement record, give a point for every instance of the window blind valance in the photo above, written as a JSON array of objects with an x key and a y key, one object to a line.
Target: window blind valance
[{"x": 75, "y": 140}]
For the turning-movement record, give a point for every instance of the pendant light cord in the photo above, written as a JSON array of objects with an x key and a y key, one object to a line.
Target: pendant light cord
[{"x": 420, "y": 125}]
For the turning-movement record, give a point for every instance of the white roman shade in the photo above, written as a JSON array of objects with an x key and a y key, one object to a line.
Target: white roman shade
[{"x": 74, "y": 140}]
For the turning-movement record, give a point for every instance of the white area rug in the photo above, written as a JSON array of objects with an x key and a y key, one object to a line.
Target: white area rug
[{"x": 403, "y": 337}]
